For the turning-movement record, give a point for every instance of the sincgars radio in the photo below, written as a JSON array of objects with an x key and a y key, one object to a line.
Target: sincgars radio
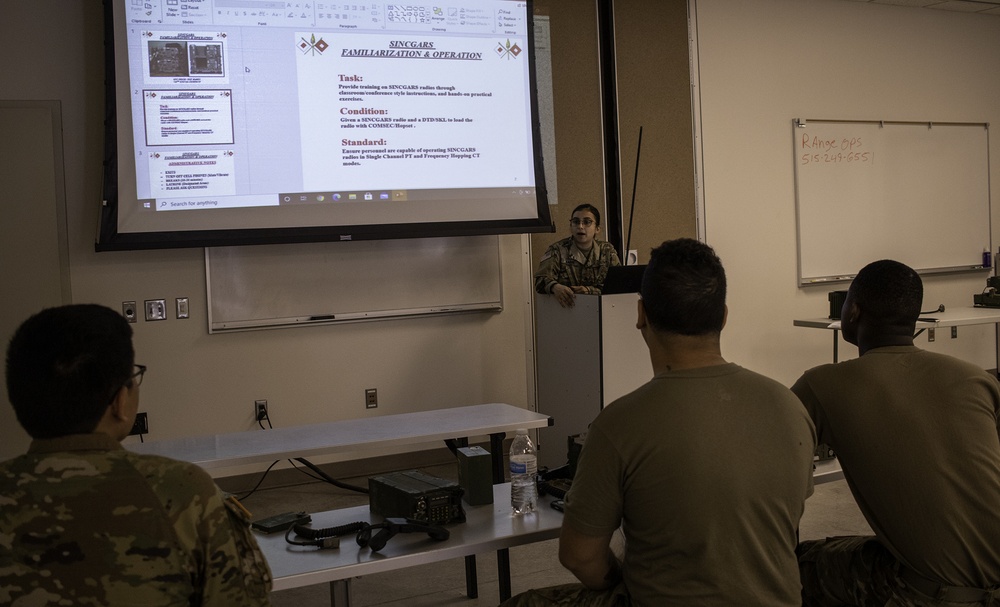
[{"x": 416, "y": 496}]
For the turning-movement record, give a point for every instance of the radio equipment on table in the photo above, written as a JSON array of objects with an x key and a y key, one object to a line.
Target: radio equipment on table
[
  {"x": 989, "y": 298},
  {"x": 416, "y": 496}
]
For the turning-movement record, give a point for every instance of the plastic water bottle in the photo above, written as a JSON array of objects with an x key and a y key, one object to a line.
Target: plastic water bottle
[{"x": 523, "y": 468}]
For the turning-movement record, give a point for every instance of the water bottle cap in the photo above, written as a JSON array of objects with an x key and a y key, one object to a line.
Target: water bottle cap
[{"x": 520, "y": 431}]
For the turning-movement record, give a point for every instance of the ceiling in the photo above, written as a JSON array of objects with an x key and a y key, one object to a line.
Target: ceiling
[{"x": 984, "y": 7}]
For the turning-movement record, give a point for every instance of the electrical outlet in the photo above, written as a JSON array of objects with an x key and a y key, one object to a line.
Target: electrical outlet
[
  {"x": 371, "y": 398},
  {"x": 141, "y": 425},
  {"x": 128, "y": 310},
  {"x": 156, "y": 309},
  {"x": 260, "y": 410}
]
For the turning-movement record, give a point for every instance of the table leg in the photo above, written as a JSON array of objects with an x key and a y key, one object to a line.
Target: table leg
[
  {"x": 503, "y": 555},
  {"x": 340, "y": 593},
  {"x": 503, "y": 573},
  {"x": 471, "y": 579},
  {"x": 454, "y": 444},
  {"x": 496, "y": 451},
  {"x": 997, "y": 327},
  {"x": 836, "y": 343}
]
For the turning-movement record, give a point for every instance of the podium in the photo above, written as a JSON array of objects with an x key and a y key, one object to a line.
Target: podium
[{"x": 587, "y": 356}]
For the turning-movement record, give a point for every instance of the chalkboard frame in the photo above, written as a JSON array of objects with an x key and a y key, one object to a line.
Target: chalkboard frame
[{"x": 832, "y": 224}]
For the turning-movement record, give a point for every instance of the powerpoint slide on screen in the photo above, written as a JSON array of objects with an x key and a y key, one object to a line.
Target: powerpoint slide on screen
[{"x": 343, "y": 110}]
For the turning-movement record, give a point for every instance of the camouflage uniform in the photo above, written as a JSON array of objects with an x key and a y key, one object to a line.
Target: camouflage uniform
[
  {"x": 85, "y": 522},
  {"x": 860, "y": 571},
  {"x": 565, "y": 264}
]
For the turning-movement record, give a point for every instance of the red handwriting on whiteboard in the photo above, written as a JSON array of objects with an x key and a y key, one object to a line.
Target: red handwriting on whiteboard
[{"x": 821, "y": 150}]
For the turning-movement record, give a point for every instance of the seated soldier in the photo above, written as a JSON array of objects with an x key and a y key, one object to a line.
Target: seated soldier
[
  {"x": 917, "y": 436},
  {"x": 702, "y": 525},
  {"x": 82, "y": 520}
]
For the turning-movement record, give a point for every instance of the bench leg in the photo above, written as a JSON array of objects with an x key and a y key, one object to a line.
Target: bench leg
[{"x": 340, "y": 593}]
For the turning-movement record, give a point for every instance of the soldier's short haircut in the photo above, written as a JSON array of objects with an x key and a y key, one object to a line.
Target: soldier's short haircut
[
  {"x": 888, "y": 292},
  {"x": 684, "y": 288},
  {"x": 64, "y": 367}
]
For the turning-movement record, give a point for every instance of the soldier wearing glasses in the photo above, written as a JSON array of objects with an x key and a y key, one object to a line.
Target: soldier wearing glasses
[
  {"x": 82, "y": 520},
  {"x": 577, "y": 264}
]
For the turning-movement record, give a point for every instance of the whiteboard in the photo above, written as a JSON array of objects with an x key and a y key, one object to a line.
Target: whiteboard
[
  {"x": 868, "y": 190},
  {"x": 270, "y": 286}
]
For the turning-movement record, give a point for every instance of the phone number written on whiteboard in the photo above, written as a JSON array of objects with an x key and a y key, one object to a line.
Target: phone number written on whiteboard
[{"x": 817, "y": 150}]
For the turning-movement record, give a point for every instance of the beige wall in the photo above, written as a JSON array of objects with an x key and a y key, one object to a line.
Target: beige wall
[
  {"x": 32, "y": 225},
  {"x": 654, "y": 89},
  {"x": 764, "y": 63},
  {"x": 199, "y": 383}
]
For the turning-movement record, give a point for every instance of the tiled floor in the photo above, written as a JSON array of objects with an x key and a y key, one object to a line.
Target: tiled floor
[{"x": 830, "y": 511}]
